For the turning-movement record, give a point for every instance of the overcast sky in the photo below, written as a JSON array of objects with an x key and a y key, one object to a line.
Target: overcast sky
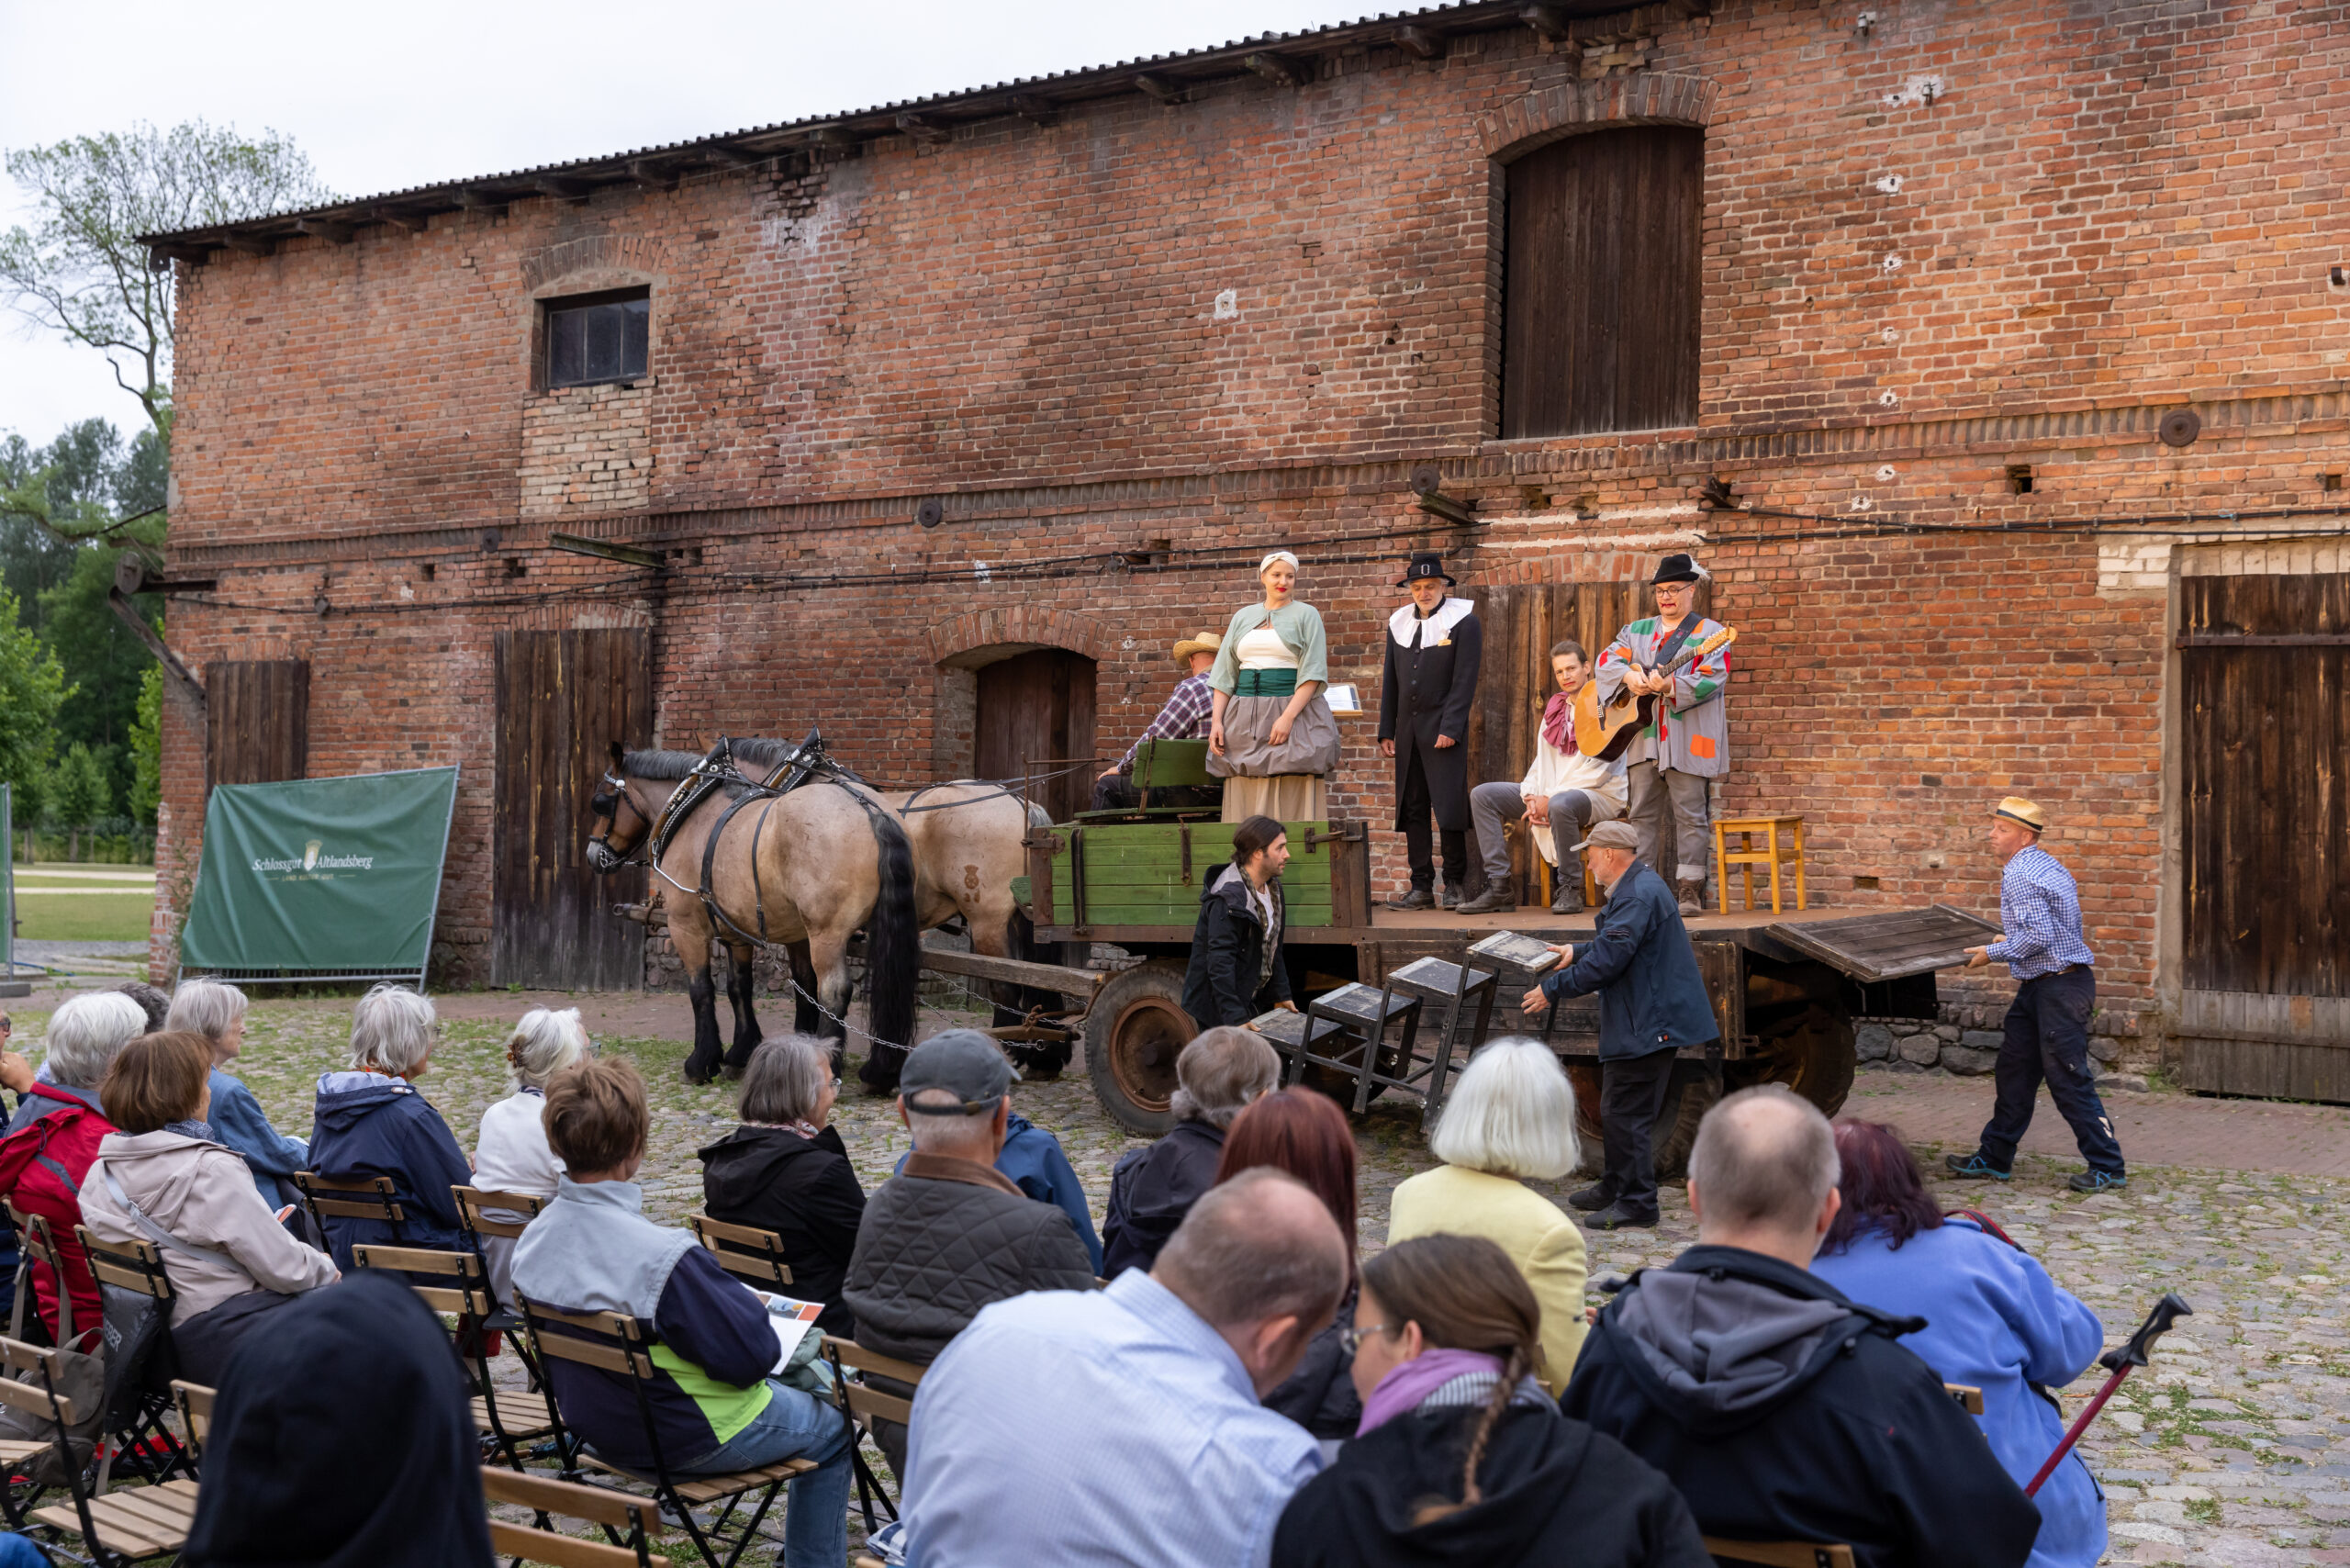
[{"x": 384, "y": 97}]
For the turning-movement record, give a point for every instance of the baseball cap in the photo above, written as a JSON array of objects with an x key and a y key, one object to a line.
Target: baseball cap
[
  {"x": 1610, "y": 835},
  {"x": 963, "y": 1064}
]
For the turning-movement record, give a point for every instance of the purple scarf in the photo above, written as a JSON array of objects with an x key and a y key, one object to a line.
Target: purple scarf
[
  {"x": 1401, "y": 1391},
  {"x": 1558, "y": 721}
]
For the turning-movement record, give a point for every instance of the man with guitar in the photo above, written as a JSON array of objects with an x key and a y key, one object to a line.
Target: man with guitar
[{"x": 1687, "y": 740}]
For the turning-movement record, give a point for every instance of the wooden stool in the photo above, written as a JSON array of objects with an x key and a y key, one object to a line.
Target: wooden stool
[
  {"x": 1773, "y": 855},
  {"x": 1542, "y": 868}
]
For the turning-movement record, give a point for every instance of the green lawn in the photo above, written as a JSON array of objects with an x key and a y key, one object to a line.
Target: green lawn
[{"x": 107, "y": 904}]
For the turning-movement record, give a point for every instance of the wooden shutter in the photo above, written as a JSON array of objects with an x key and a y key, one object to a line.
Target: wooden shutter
[
  {"x": 1035, "y": 717},
  {"x": 1602, "y": 285},
  {"x": 257, "y": 721}
]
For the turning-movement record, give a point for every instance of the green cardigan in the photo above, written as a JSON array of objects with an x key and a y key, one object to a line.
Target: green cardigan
[{"x": 1298, "y": 625}]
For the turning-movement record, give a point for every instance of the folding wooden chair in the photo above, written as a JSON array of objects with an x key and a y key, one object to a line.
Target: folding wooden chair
[
  {"x": 350, "y": 1198},
  {"x": 124, "y": 1528},
  {"x": 633, "y": 1524},
  {"x": 474, "y": 1212},
  {"x": 507, "y": 1417},
  {"x": 138, "y": 1396},
  {"x": 745, "y": 1251},
  {"x": 38, "y": 1244},
  {"x": 861, "y": 1403},
  {"x": 195, "y": 1402},
  {"x": 1780, "y": 1553},
  {"x": 616, "y": 1343}
]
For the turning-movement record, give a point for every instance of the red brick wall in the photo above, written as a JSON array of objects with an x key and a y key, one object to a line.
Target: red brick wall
[{"x": 1977, "y": 236}]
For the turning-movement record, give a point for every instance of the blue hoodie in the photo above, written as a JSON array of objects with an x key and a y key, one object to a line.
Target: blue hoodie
[
  {"x": 367, "y": 1124},
  {"x": 1033, "y": 1161}
]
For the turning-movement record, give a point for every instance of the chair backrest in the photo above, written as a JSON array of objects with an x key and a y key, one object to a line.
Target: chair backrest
[
  {"x": 467, "y": 1291},
  {"x": 744, "y": 1250},
  {"x": 1164, "y": 764},
  {"x": 1780, "y": 1553},
  {"x": 39, "y": 1247},
  {"x": 34, "y": 1398},
  {"x": 194, "y": 1401},
  {"x": 1969, "y": 1399},
  {"x": 133, "y": 1265},
  {"x": 631, "y": 1356},
  {"x": 348, "y": 1197},
  {"x": 638, "y": 1519},
  {"x": 473, "y": 1200},
  {"x": 848, "y": 1355}
]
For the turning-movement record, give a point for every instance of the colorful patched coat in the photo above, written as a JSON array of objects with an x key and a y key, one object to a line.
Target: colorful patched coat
[{"x": 1692, "y": 732}]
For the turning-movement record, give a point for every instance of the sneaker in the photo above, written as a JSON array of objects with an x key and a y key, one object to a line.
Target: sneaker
[
  {"x": 2098, "y": 1181},
  {"x": 1974, "y": 1168},
  {"x": 1615, "y": 1216},
  {"x": 1415, "y": 898},
  {"x": 1496, "y": 900},
  {"x": 1597, "y": 1196}
]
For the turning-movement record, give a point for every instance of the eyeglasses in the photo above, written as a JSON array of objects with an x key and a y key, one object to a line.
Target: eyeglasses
[{"x": 1352, "y": 1337}]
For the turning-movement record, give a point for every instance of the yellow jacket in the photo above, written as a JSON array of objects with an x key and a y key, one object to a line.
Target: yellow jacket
[{"x": 1534, "y": 1231}]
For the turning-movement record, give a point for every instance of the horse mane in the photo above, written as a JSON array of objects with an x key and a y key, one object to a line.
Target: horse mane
[{"x": 751, "y": 751}]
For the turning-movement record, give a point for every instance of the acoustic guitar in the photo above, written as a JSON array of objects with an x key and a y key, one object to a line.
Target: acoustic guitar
[{"x": 1605, "y": 731}]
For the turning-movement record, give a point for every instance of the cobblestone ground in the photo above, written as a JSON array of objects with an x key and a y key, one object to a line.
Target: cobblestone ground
[{"x": 2233, "y": 1450}]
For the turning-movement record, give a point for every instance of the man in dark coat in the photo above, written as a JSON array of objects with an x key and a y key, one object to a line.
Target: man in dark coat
[
  {"x": 1781, "y": 1410},
  {"x": 1426, "y": 690},
  {"x": 1651, "y": 1002},
  {"x": 1236, "y": 969}
]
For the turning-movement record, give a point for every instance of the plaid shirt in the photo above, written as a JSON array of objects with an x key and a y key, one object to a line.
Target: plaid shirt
[
  {"x": 2040, "y": 910},
  {"x": 1185, "y": 718}
]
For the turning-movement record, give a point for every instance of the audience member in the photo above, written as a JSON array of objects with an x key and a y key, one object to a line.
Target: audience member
[
  {"x": 1510, "y": 1119},
  {"x": 152, "y": 1002},
  {"x": 1994, "y": 1320},
  {"x": 343, "y": 1438},
  {"x": 1033, "y": 1161},
  {"x": 784, "y": 1170},
  {"x": 1152, "y": 1188},
  {"x": 512, "y": 1154},
  {"x": 371, "y": 1120},
  {"x": 160, "y": 1179},
  {"x": 215, "y": 1010},
  {"x": 1464, "y": 1460},
  {"x": 1305, "y": 1134},
  {"x": 950, "y": 1232},
  {"x": 1781, "y": 1410},
  {"x": 55, "y": 1134},
  {"x": 714, "y": 1407},
  {"x": 1124, "y": 1425}
]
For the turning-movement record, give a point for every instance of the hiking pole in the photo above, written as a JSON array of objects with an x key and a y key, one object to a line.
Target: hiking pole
[{"x": 2118, "y": 1361}]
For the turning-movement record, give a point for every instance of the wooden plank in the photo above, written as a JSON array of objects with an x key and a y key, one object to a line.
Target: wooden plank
[
  {"x": 1043, "y": 977},
  {"x": 257, "y": 719},
  {"x": 1848, "y": 944},
  {"x": 525, "y": 1544}
]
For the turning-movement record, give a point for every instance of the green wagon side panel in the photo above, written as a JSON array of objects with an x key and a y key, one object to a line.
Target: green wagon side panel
[{"x": 1134, "y": 872}]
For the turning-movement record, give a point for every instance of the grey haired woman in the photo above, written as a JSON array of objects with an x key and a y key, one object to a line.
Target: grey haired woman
[
  {"x": 784, "y": 1170},
  {"x": 1273, "y": 736},
  {"x": 512, "y": 1155}
]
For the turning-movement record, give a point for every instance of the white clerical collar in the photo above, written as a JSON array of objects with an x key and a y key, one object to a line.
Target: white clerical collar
[{"x": 1402, "y": 624}]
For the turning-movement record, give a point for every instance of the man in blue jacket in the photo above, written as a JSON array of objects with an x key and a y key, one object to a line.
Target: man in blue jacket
[{"x": 1651, "y": 1002}]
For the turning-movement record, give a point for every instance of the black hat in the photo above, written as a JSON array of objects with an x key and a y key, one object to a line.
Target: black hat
[
  {"x": 1425, "y": 565},
  {"x": 1676, "y": 569}
]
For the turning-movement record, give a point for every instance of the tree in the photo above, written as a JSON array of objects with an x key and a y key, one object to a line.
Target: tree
[
  {"x": 32, "y": 685},
  {"x": 103, "y": 657},
  {"x": 55, "y": 498},
  {"x": 81, "y": 271},
  {"x": 147, "y": 748},
  {"x": 79, "y": 792}
]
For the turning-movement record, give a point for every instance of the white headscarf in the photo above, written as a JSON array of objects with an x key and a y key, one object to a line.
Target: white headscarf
[{"x": 1277, "y": 556}]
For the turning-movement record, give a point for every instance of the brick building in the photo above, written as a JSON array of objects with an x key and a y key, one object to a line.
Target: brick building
[{"x": 1983, "y": 351}]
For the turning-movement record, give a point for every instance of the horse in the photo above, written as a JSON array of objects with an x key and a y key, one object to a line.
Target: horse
[{"x": 789, "y": 870}]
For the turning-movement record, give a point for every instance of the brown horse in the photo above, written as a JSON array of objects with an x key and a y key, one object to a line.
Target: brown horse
[{"x": 804, "y": 871}]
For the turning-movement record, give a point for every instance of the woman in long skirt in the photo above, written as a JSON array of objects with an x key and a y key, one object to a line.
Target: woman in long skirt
[{"x": 1273, "y": 736}]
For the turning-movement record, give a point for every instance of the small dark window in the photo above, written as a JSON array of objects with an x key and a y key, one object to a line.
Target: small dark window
[{"x": 597, "y": 337}]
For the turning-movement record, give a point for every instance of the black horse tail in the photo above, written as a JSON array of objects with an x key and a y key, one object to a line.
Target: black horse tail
[{"x": 893, "y": 957}]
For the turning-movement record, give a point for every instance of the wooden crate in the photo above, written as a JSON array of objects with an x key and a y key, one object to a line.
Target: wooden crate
[{"x": 1151, "y": 874}]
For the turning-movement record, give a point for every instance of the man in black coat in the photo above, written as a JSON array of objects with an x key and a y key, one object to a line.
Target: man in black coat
[
  {"x": 1425, "y": 691},
  {"x": 1783, "y": 1410}
]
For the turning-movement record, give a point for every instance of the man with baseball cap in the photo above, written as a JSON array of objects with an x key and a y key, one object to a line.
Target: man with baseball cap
[
  {"x": 1184, "y": 718},
  {"x": 1651, "y": 1002},
  {"x": 2046, "y": 1034}
]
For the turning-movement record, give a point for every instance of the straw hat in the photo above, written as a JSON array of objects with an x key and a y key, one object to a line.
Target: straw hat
[
  {"x": 2015, "y": 808},
  {"x": 1198, "y": 642}
]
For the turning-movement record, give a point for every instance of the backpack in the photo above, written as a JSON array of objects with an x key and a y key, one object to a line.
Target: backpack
[{"x": 41, "y": 1168}]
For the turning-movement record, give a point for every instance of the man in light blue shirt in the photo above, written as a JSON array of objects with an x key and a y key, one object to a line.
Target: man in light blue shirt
[{"x": 1124, "y": 1425}]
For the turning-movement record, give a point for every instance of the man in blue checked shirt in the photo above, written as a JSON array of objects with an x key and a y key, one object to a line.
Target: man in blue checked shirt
[
  {"x": 1184, "y": 718},
  {"x": 2046, "y": 1034}
]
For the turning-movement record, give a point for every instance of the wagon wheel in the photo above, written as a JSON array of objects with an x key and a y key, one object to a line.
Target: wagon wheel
[
  {"x": 1134, "y": 1032},
  {"x": 1808, "y": 1048},
  {"x": 1693, "y": 1092}
]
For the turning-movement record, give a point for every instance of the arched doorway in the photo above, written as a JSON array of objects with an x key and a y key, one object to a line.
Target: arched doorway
[{"x": 1034, "y": 715}]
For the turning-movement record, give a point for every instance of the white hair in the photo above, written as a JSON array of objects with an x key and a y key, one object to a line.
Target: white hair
[
  {"x": 1511, "y": 1112},
  {"x": 391, "y": 1030},
  {"x": 85, "y": 1032},
  {"x": 210, "y": 1007},
  {"x": 544, "y": 1044}
]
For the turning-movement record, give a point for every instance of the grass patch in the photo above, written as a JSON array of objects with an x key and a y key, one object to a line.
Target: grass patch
[
  {"x": 107, "y": 918},
  {"x": 2203, "y": 1510}
]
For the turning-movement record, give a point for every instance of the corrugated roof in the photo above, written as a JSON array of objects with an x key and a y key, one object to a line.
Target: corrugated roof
[{"x": 1164, "y": 76}]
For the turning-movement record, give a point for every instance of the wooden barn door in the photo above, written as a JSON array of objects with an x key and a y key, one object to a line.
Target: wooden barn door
[
  {"x": 1035, "y": 715},
  {"x": 2265, "y": 999},
  {"x": 257, "y": 721},
  {"x": 563, "y": 698},
  {"x": 1522, "y": 622}
]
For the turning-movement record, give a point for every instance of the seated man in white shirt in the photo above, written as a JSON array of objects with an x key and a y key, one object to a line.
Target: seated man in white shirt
[
  {"x": 1563, "y": 794},
  {"x": 1124, "y": 1425}
]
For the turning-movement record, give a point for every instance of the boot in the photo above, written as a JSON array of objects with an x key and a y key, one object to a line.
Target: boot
[
  {"x": 1568, "y": 898},
  {"x": 1596, "y": 1196},
  {"x": 1693, "y": 897},
  {"x": 1496, "y": 900},
  {"x": 1412, "y": 898},
  {"x": 1450, "y": 896}
]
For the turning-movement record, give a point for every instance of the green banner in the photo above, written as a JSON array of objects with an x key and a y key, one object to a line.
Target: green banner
[{"x": 322, "y": 876}]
